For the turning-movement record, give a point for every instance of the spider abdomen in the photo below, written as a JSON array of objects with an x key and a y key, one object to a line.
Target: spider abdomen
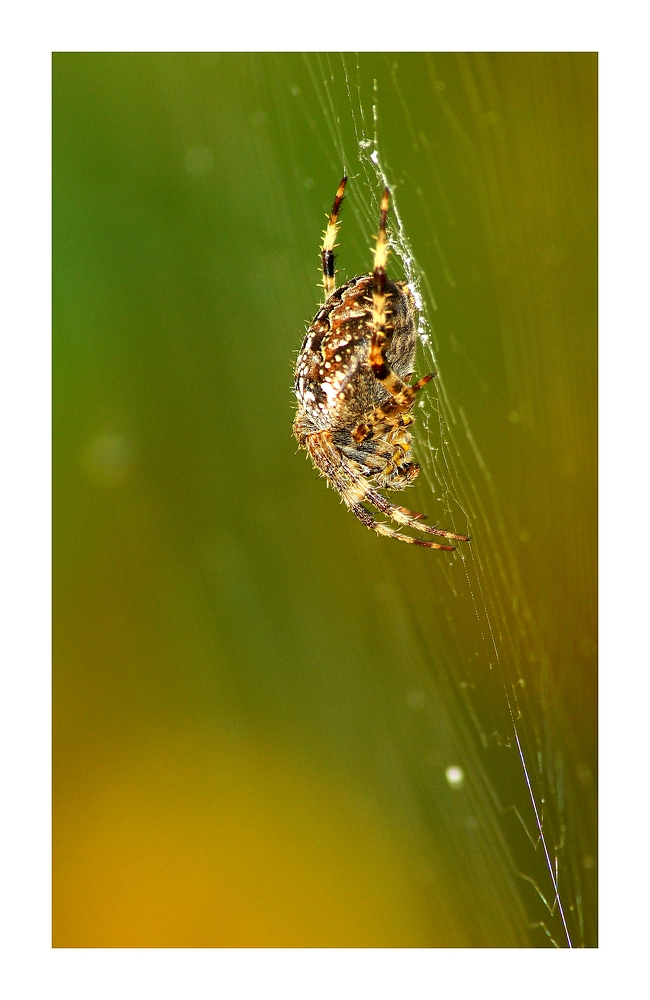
[{"x": 334, "y": 384}]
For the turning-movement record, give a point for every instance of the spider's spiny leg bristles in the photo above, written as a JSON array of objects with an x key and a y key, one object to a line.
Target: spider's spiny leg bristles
[
  {"x": 403, "y": 394},
  {"x": 382, "y": 329},
  {"x": 329, "y": 241},
  {"x": 412, "y": 513},
  {"x": 408, "y": 517},
  {"x": 384, "y": 529},
  {"x": 355, "y": 490},
  {"x": 379, "y": 311}
]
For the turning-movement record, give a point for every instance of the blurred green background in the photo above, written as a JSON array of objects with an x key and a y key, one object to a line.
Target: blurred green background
[{"x": 272, "y": 728}]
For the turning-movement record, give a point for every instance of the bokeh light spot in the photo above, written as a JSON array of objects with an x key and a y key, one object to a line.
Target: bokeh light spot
[
  {"x": 199, "y": 161},
  {"x": 455, "y": 776}
]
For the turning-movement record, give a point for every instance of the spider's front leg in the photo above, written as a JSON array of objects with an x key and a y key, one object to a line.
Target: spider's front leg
[
  {"x": 402, "y": 395},
  {"x": 329, "y": 242}
]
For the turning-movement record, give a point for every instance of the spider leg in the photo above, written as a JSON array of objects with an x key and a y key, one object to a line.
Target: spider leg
[
  {"x": 402, "y": 515},
  {"x": 383, "y": 444},
  {"x": 327, "y": 251},
  {"x": 384, "y": 529},
  {"x": 355, "y": 489},
  {"x": 403, "y": 395}
]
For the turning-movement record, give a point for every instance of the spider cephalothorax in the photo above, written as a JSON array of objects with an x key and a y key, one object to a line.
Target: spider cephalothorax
[{"x": 352, "y": 384}]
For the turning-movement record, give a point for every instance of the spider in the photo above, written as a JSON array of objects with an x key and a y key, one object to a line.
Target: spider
[{"x": 352, "y": 385}]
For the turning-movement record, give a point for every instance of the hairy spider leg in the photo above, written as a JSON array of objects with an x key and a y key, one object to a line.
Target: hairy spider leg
[
  {"x": 355, "y": 489},
  {"x": 403, "y": 395},
  {"x": 329, "y": 236},
  {"x": 398, "y": 477},
  {"x": 383, "y": 529},
  {"x": 408, "y": 517},
  {"x": 387, "y": 464}
]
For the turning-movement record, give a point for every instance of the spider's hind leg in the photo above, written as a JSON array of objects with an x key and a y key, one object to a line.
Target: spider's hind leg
[
  {"x": 384, "y": 529},
  {"x": 409, "y": 518},
  {"x": 355, "y": 489},
  {"x": 381, "y": 450}
]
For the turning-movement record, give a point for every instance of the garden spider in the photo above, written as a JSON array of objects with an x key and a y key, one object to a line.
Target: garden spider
[{"x": 351, "y": 382}]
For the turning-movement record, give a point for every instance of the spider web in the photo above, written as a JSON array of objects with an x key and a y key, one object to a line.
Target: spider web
[{"x": 513, "y": 763}]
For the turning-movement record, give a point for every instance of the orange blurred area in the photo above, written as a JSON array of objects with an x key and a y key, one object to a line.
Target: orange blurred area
[{"x": 203, "y": 843}]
